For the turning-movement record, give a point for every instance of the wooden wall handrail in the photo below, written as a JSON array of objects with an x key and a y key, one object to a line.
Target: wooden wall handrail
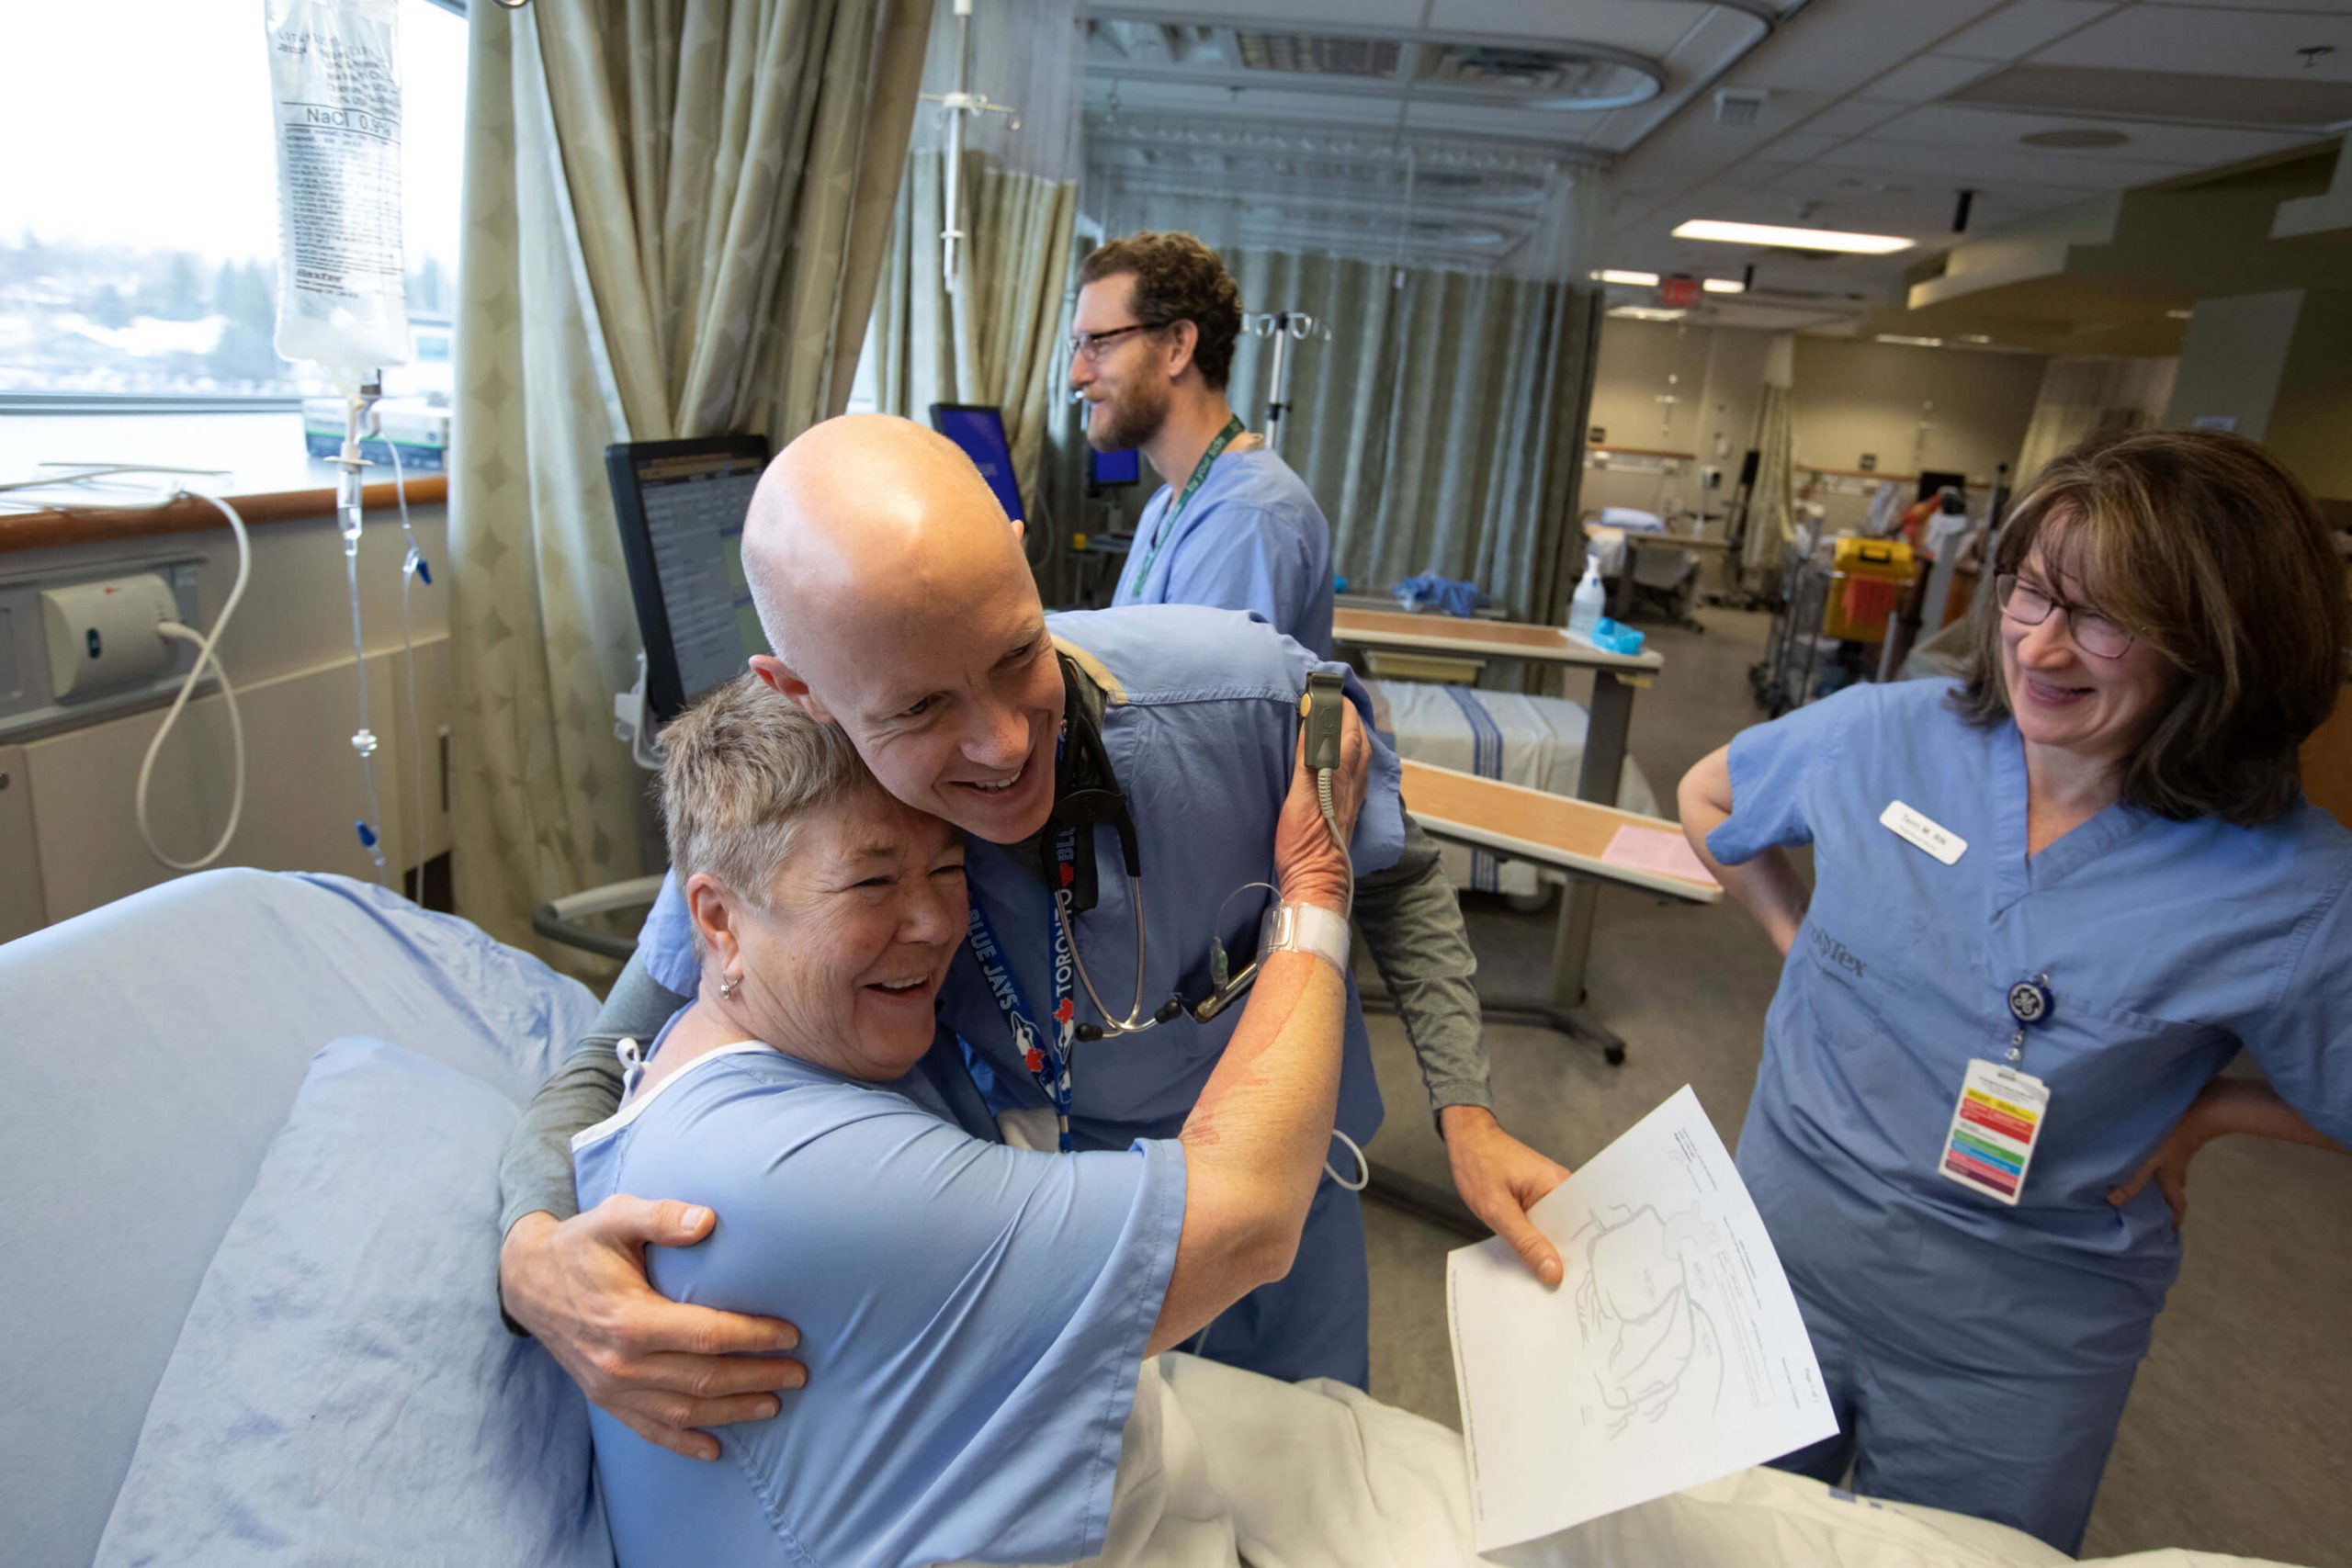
[{"x": 47, "y": 530}]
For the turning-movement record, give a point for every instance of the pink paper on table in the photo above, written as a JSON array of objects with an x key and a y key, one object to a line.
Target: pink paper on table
[{"x": 1658, "y": 851}]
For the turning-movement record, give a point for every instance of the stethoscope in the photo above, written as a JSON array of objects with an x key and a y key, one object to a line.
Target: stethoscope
[
  {"x": 1094, "y": 799},
  {"x": 1083, "y": 804}
]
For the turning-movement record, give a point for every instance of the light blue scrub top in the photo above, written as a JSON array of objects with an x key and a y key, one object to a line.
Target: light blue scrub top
[
  {"x": 1251, "y": 538},
  {"x": 2168, "y": 945},
  {"x": 1201, "y": 725},
  {"x": 973, "y": 1317}
]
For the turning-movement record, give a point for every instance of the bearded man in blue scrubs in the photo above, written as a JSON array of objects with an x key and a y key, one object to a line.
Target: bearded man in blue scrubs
[
  {"x": 2052, "y": 902},
  {"x": 1233, "y": 527},
  {"x": 901, "y": 607}
]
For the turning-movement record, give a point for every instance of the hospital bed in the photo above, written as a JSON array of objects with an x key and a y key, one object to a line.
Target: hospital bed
[
  {"x": 1531, "y": 740},
  {"x": 251, "y": 1141},
  {"x": 1640, "y": 557}
]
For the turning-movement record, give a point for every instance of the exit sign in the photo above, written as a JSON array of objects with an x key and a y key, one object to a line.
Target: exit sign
[{"x": 1678, "y": 293}]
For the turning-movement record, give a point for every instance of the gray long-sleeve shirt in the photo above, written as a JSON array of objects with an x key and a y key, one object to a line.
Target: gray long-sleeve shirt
[{"x": 1411, "y": 923}]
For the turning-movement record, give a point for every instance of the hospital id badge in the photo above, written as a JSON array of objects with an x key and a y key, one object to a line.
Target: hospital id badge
[{"x": 1993, "y": 1129}]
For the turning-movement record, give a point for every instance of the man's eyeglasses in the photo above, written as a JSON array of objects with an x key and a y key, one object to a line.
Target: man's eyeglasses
[
  {"x": 2030, "y": 605},
  {"x": 1094, "y": 346}
]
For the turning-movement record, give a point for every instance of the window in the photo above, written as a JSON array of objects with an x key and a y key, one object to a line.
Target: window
[{"x": 139, "y": 253}]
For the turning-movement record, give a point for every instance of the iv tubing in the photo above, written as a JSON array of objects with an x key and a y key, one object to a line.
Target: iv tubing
[
  {"x": 364, "y": 739},
  {"x": 410, "y": 566}
]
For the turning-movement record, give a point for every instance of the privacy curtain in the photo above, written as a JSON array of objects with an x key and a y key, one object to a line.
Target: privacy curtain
[
  {"x": 2084, "y": 396},
  {"x": 1771, "y": 503},
  {"x": 994, "y": 334},
  {"x": 675, "y": 212},
  {"x": 1441, "y": 424}
]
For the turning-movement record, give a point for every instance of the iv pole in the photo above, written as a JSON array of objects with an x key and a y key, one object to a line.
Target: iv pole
[
  {"x": 1284, "y": 327},
  {"x": 958, "y": 105}
]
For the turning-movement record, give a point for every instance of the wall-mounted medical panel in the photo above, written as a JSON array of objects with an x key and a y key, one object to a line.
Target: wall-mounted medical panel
[{"x": 77, "y": 644}]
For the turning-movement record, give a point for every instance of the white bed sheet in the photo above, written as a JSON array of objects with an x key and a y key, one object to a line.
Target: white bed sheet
[
  {"x": 1535, "y": 741},
  {"x": 1221, "y": 1465}
]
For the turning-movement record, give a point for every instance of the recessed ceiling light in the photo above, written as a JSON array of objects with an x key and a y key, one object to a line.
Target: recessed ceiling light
[
  {"x": 1793, "y": 239},
  {"x": 1723, "y": 286},
  {"x": 2074, "y": 140},
  {"x": 1647, "y": 313},
  {"x": 1911, "y": 342},
  {"x": 2179, "y": 315},
  {"x": 1971, "y": 337},
  {"x": 1637, "y": 279}
]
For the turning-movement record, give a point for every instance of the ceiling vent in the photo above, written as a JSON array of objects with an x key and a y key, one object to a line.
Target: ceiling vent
[
  {"x": 1566, "y": 78},
  {"x": 1738, "y": 107},
  {"x": 1307, "y": 54}
]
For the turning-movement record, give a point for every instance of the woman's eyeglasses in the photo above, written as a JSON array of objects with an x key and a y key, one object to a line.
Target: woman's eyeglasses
[
  {"x": 2030, "y": 605},
  {"x": 1094, "y": 346}
]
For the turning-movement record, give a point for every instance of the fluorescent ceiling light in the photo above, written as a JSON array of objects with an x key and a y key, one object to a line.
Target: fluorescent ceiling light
[
  {"x": 2179, "y": 315},
  {"x": 1911, "y": 342},
  {"x": 1637, "y": 279},
  {"x": 1647, "y": 313},
  {"x": 1793, "y": 239},
  {"x": 1723, "y": 286}
]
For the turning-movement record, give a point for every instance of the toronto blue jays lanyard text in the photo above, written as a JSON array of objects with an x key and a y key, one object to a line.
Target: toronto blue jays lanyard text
[{"x": 1043, "y": 1043}]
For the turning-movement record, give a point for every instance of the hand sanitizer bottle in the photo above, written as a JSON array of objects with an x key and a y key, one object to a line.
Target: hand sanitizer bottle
[{"x": 1584, "y": 610}]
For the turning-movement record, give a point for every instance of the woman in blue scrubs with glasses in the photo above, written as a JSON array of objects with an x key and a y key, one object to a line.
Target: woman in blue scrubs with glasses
[{"x": 2052, "y": 902}]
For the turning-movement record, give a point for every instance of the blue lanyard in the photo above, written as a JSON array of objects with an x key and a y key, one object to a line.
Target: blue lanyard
[
  {"x": 1044, "y": 1052},
  {"x": 1233, "y": 427}
]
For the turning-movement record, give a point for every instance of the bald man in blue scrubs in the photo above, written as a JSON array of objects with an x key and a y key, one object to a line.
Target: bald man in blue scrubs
[
  {"x": 1233, "y": 527},
  {"x": 902, "y": 609}
]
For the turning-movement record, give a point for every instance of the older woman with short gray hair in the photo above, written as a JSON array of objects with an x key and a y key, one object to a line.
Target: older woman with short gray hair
[{"x": 977, "y": 1314}]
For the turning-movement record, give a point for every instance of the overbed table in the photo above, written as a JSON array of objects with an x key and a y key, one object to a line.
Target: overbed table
[{"x": 1609, "y": 716}]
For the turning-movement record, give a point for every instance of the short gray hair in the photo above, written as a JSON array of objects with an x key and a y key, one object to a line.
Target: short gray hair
[{"x": 741, "y": 770}]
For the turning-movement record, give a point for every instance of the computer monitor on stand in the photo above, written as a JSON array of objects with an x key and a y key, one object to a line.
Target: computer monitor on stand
[
  {"x": 979, "y": 429},
  {"x": 681, "y": 506}
]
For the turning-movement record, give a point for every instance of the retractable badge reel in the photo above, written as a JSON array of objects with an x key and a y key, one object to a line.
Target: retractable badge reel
[{"x": 2002, "y": 1107}]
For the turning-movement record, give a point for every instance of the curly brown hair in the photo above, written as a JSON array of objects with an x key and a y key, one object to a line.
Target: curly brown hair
[
  {"x": 2217, "y": 557},
  {"x": 1177, "y": 279}
]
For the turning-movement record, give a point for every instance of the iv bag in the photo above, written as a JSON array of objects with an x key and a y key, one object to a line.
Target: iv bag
[{"x": 334, "y": 83}]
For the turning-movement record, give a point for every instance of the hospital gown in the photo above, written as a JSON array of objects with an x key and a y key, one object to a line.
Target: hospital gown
[
  {"x": 1251, "y": 538},
  {"x": 969, "y": 1379},
  {"x": 1979, "y": 1356},
  {"x": 1200, "y": 723}
]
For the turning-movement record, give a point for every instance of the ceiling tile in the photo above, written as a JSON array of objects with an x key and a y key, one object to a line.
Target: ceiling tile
[
  {"x": 2232, "y": 42},
  {"x": 1925, "y": 79},
  {"x": 1835, "y": 50},
  {"x": 1803, "y": 146},
  {"x": 2024, "y": 27},
  {"x": 2002, "y": 131},
  {"x": 1652, "y": 28},
  {"x": 1852, "y": 117},
  {"x": 1978, "y": 167}
]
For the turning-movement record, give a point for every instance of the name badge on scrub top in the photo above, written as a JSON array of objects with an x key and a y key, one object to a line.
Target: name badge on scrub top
[
  {"x": 1992, "y": 1131},
  {"x": 1914, "y": 828}
]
